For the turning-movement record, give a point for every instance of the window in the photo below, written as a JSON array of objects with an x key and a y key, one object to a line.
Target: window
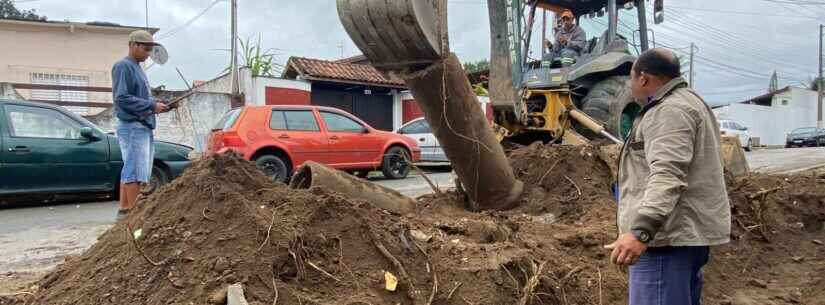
[
  {"x": 784, "y": 102},
  {"x": 340, "y": 123},
  {"x": 228, "y": 119},
  {"x": 61, "y": 95},
  {"x": 301, "y": 120},
  {"x": 36, "y": 122},
  {"x": 277, "y": 120},
  {"x": 418, "y": 127}
]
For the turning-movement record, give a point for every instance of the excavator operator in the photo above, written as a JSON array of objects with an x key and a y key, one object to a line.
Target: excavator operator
[{"x": 570, "y": 40}]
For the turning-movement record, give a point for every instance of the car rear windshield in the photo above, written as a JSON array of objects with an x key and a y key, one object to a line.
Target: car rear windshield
[{"x": 228, "y": 119}]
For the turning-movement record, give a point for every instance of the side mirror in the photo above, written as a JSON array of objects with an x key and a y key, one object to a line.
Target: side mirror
[
  {"x": 88, "y": 133},
  {"x": 658, "y": 11},
  {"x": 365, "y": 130}
]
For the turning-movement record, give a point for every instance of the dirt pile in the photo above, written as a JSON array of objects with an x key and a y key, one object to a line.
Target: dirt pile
[{"x": 223, "y": 223}]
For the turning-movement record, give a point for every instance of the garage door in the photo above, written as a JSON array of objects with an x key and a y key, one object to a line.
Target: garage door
[{"x": 374, "y": 108}]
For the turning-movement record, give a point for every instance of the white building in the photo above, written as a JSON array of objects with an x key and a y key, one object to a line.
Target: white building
[{"x": 772, "y": 116}]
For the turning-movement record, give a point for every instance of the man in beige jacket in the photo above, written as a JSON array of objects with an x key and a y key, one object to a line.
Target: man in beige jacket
[{"x": 673, "y": 203}]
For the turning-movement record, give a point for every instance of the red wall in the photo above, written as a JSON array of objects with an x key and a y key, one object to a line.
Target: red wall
[
  {"x": 410, "y": 111},
  {"x": 286, "y": 96}
]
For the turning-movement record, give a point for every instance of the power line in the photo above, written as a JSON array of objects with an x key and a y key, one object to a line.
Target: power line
[{"x": 186, "y": 24}]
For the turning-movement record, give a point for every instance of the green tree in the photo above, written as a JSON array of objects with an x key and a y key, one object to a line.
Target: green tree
[
  {"x": 9, "y": 11},
  {"x": 259, "y": 61},
  {"x": 478, "y": 66}
]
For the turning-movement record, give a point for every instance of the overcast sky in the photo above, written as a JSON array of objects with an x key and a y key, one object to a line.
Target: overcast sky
[{"x": 740, "y": 42}]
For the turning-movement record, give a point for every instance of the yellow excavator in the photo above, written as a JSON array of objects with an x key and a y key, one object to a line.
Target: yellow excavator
[{"x": 541, "y": 100}]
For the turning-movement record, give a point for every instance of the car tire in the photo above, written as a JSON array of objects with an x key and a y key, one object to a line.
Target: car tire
[
  {"x": 394, "y": 164},
  {"x": 274, "y": 167},
  {"x": 158, "y": 178},
  {"x": 749, "y": 147}
]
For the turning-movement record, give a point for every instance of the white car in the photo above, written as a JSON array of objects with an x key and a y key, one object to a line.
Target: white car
[
  {"x": 728, "y": 127},
  {"x": 419, "y": 130}
]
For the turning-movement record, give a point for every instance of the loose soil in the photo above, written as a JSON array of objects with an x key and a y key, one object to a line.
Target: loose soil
[{"x": 223, "y": 222}]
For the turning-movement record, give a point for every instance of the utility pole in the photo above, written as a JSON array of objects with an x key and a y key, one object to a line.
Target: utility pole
[
  {"x": 234, "y": 73},
  {"x": 690, "y": 78},
  {"x": 147, "y": 14},
  {"x": 819, "y": 82}
]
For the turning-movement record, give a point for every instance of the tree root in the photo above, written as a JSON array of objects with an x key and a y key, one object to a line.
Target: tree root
[
  {"x": 131, "y": 237},
  {"x": 403, "y": 275}
]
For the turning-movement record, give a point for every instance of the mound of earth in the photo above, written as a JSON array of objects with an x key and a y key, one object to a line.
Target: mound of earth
[{"x": 223, "y": 223}]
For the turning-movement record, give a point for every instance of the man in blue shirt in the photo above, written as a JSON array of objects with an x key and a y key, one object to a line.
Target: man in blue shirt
[{"x": 135, "y": 110}]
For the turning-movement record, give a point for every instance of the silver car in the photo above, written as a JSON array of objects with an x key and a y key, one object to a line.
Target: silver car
[{"x": 420, "y": 131}]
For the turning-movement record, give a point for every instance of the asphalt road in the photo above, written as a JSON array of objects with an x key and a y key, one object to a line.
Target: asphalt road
[{"x": 35, "y": 239}]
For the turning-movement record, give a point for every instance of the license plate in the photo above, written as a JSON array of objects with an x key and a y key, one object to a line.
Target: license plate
[{"x": 797, "y": 141}]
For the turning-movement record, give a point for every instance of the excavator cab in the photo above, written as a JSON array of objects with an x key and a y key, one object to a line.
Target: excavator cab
[{"x": 531, "y": 98}]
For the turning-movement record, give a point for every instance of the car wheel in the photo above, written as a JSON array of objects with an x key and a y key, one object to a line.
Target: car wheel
[
  {"x": 273, "y": 167},
  {"x": 158, "y": 178},
  {"x": 395, "y": 164},
  {"x": 749, "y": 147}
]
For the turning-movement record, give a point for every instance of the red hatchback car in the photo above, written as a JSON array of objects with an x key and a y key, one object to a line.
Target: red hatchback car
[{"x": 281, "y": 138}]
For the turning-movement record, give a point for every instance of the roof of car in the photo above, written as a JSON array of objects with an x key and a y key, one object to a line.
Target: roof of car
[{"x": 298, "y": 107}]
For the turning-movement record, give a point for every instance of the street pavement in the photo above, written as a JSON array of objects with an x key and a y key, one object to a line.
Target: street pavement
[
  {"x": 35, "y": 239},
  {"x": 783, "y": 161}
]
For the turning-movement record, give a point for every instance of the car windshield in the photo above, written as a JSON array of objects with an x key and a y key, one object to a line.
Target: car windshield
[{"x": 804, "y": 130}]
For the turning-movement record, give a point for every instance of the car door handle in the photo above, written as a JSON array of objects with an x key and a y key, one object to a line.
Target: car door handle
[
  {"x": 333, "y": 138},
  {"x": 422, "y": 139},
  {"x": 20, "y": 149},
  {"x": 283, "y": 136}
]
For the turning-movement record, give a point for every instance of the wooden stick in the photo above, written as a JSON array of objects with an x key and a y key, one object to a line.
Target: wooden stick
[
  {"x": 322, "y": 271},
  {"x": 764, "y": 192},
  {"x": 399, "y": 268},
  {"x": 450, "y": 295}
]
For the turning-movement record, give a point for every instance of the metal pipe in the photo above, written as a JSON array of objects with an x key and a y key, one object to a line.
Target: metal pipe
[
  {"x": 612, "y": 20},
  {"x": 640, "y": 5},
  {"x": 543, "y": 31},
  {"x": 530, "y": 20}
]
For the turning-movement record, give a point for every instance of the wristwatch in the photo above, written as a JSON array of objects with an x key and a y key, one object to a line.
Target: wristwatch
[{"x": 642, "y": 236}]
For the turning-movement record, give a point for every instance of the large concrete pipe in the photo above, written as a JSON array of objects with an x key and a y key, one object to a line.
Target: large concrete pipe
[{"x": 313, "y": 174}]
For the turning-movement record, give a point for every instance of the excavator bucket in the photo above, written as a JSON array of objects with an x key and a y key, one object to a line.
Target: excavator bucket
[
  {"x": 505, "y": 55},
  {"x": 397, "y": 34}
]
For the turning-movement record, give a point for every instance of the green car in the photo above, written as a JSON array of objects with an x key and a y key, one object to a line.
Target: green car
[{"x": 49, "y": 153}]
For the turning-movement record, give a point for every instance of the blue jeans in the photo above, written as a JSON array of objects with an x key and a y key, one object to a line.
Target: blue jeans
[
  {"x": 668, "y": 276},
  {"x": 137, "y": 148}
]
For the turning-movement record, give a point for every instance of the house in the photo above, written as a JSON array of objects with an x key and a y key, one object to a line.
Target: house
[
  {"x": 353, "y": 85},
  {"x": 63, "y": 63},
  {"x": 773, "y": 115}
]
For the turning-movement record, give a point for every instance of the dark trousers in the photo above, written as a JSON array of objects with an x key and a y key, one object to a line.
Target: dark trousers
[{"x": 668, "y": 276}]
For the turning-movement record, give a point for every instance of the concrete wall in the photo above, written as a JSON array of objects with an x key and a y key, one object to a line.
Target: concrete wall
[
  {"x": 278, "y": 91},
  {"x": 8, "y": 92},
  {"x": 772, "y": 123},
  {"x": 410, "y": 111},
  {"x": 190, "y": 124}
]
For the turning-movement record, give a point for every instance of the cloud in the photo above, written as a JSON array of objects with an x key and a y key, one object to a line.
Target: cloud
[{"x": 760, "y": 37}]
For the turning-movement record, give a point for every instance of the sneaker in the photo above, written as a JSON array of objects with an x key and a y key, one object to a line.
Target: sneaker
[{"x": 121, "y": 214}]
